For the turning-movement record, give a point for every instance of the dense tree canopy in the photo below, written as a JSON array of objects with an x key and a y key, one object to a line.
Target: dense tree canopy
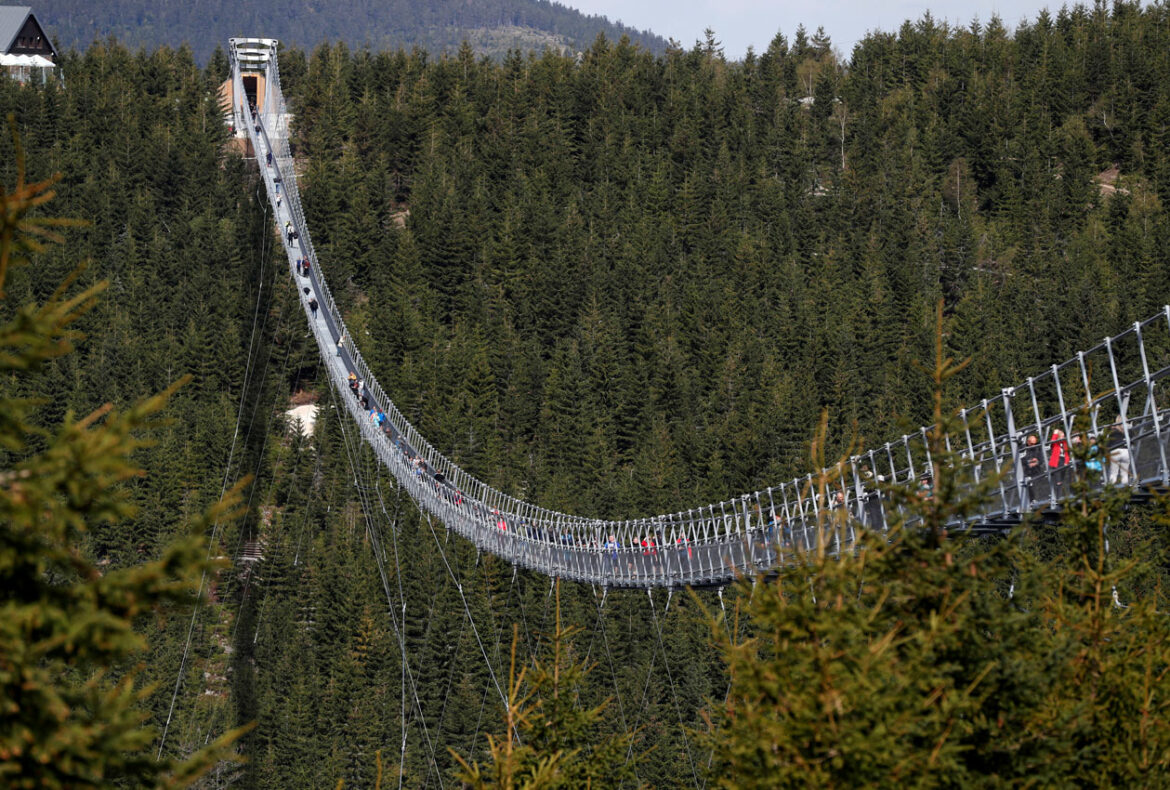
[
  {"x": 615, "y": 285},
  {"x": 491, "y": 26}
]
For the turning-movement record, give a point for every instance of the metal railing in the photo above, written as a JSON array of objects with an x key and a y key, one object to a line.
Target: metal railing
[{"x": 760, "y": 530}]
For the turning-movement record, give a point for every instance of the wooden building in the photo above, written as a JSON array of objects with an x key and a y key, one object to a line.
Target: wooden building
[{"x": 26, "y": 52}]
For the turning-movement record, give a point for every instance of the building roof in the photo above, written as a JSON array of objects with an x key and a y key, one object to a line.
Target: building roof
[{"x": 12, "y": 19}]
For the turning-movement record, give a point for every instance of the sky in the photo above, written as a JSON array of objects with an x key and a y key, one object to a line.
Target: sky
[{"x": 739, "y": 24}]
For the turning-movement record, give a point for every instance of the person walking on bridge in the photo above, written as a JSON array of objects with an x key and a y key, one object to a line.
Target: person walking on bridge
[
  {"x": 1033, "y": 461},
  {"x": 611, "y": 553},
  {"x": 1058, "y": 461},
  {"x": 1119, "y": 457}
]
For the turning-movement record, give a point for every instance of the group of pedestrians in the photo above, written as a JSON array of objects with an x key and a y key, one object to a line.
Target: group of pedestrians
[{"x": 1057, "y": 465}]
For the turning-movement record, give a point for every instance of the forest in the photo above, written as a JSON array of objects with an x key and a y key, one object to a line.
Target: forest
[
  {"x": 492, "y": 27},
  {"x": 619, "y": 285}
]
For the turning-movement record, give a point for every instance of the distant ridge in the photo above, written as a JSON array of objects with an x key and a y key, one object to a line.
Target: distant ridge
[{"x": 491, "y": 26}]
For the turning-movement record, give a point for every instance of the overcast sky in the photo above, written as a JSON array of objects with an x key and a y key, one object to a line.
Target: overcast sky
[{"x": 742, "y": 23}]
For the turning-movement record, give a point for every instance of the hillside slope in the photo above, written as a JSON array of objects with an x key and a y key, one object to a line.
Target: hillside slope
[{"x": 492, "y": 26}]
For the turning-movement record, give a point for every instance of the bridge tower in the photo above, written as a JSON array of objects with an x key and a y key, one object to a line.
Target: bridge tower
[{"x": 254, "y": 55}]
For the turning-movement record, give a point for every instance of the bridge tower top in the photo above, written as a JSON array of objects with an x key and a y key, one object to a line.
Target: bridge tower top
[{"x": 255, "y": 56}]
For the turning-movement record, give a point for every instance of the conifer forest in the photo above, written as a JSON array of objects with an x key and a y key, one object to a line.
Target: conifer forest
[{"x": 618, "y": 283}]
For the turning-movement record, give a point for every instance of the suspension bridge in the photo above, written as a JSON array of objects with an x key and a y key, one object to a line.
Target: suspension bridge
[{"x": 1019, "y": 437}]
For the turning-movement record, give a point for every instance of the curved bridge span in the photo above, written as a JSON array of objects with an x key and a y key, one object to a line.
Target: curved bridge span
[{"x": 1017, "y": 437}]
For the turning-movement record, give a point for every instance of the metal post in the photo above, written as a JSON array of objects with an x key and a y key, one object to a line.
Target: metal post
[
  {"x": 976, "y": 465},
  {"x": 1122, "y": 407},
  {"x": 769, "y": 535},
  {"x": 799, "y": 489},
  {"x": 1068, "y": 426},
  {"x": 858, "y": 497},
  {"x": 1153, "y": 406},
  {"x": 1014, "y": 446},
  {"x": 929, "y": 461},
  {"x": 787, "y": 523},
  {"x": 1044, "y": 452},
  {"x": 1096, "y": 431}
]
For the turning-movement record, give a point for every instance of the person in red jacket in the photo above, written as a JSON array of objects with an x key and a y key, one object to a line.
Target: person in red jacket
[
  {"x": 649, "y": 554},
  {"x": 1059, "y": 458}
]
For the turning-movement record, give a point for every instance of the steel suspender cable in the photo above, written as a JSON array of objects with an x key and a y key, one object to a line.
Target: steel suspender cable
[
  {"x": 621, "y": 709},
  {"x": 592, "y": 642},
  {"x": 670, "y": 679},
  {"x": 451, "y": 674},
  {"x": 466, "y": 607},
  {"x": 264, "y": 597},
  {"x": 374, "y": 543},
  {"x": 727, "y": 694},
  {"x": 463, "y": 598},
  {"x": 529, "y": 644},
  {"x": 284, "y": 325},
  {"x": 487, "y": 692},
  {"x": 223, "y": 490},
  {"x": 305, "y": 519},
  {"x": 739, "y": 635},
  {"x": 400, "y": 629},
  {"x": 642, "y": 704},
  {"x": 256, "y": 475},
  {"x": 401, "y": 634}
]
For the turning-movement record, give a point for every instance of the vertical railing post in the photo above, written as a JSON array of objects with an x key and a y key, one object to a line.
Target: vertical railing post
[
  {"x": 688, "y": 544},
  {"x": 926, "y": 448},
  {"x": 769, "y": 533},
  {"x": 1014, "y": 446},
  {"x": 1044, "y": 451},
  {"x": 1122, "y": 408},
  {"x": 1153, "y": 405},
  {"x": 749, "y": 560},
  {"x": 1068, "y": 425},
  {"x": 785, "y": 524},
  {"x": 1096, "y": 430},
  {"x": 723, "y": 534},
  {"x": 801, "y": 492},
  {"x": 976, "y": 465},
  {"x": 858, "y": 500},
  {"x": 876, "y": 494},
  {"x": 893, "y": 481},
  {"x": 812, "y": 497},
  {"x": 711, "y": 541}
]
